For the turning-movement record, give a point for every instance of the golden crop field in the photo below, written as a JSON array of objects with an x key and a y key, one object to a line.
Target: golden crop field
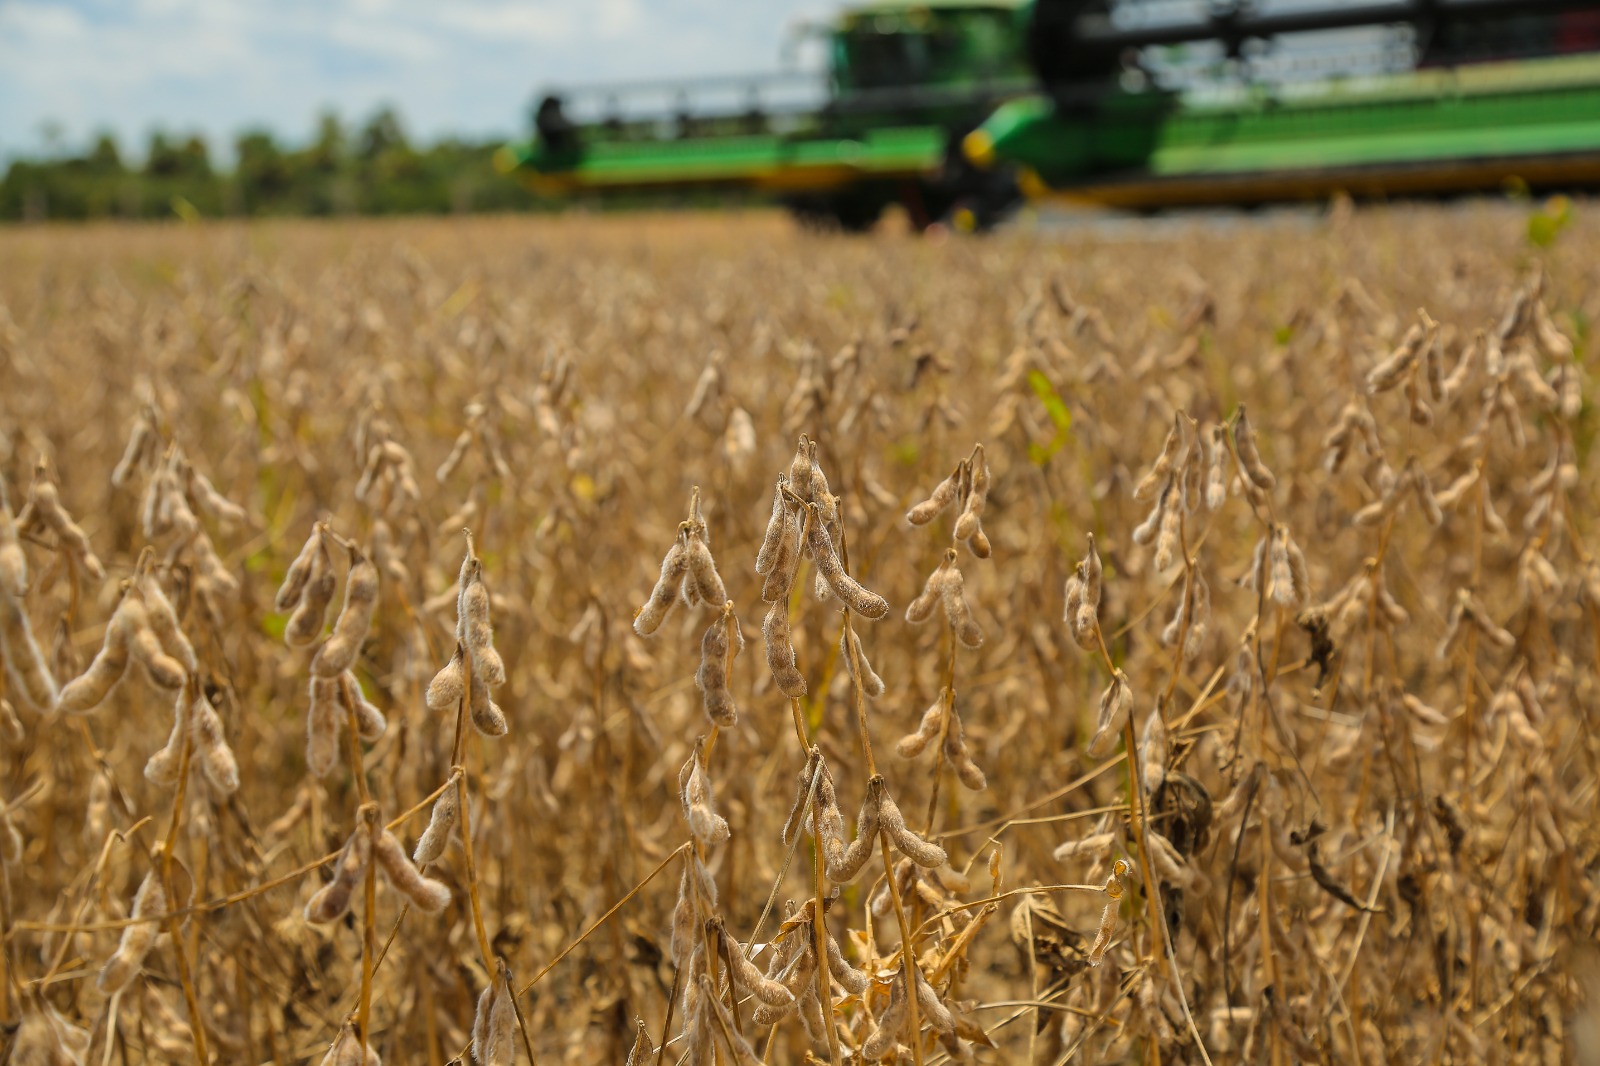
[{"x": 1165, "y": 643}]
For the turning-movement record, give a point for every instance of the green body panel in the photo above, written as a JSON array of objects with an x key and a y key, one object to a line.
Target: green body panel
[
  {"x": 765, "y": 161},
  {"x": 1535, "y": 108}
]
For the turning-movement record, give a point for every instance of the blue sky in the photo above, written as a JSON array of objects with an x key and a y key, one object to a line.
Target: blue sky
[{"x": 465, "y": 67}]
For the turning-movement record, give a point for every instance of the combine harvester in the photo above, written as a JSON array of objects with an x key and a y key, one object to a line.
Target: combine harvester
[{"x": 956, "y": 109}]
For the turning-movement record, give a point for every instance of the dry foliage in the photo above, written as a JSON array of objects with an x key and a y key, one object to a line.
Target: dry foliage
[{"x": 1232, "y": 701}]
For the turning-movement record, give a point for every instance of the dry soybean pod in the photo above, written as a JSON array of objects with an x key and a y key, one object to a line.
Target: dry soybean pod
[
  {"x": 1244, "y": 440},
  {"x": 427, "y": 894},
  {"x": 164, "y": 620},
  {"x": 942, "y": 496},
  {"x": 703, "y": 571},
  {"x": 109, "y": 665},
  {"x": 332, "y": 900},
  {"x": 487, "y": 717},
  {"x": 712, "y": 676},
  {"x": 442, "y": 820},
  {"x": 891, "y": 821},
  {"x": 747, "y": 976},
  {"x": 322, "y": 726},
  {"x": 160, "y": 667},
  {"x": 848, "y": 589},
  {"x": 654, "y": 611},
  {"x": 913, "y": 744},
  {"x": 971, "y": 521},
  {"x": 920, "y": 609},
  {"x": 370, "y": 721},
  {"x": 768, "y": 555},
  {"x": 477, "y": 632},
  {"x": 338, "y": 653},
  {"x": 137, "y": 938},
  {"x": 953, "y": 594},
  {"x": 871, "y": 683},
  {"x": 444, "y": 691},
  {"x": 298, "y": 573},
  {"x": 494, "y": 1025},
  {"x": 305, "y": 624},
  {"x": 780, "y": 652}
]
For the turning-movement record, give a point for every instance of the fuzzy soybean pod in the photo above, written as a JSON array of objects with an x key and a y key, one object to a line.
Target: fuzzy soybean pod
[
  {"x": 1073, "y": 594},
  {"x": 45, "y": 500},
  {"x": 1244, "y": 440},
  {"x": 211, "y": 748},
  {"x": 1216, "y": 470},
  {"x": 346, "y": 1050},
  {"x": 427, "y": 894},
  {"x": 712, "y": 676},
  {"x": 1083, "y": 617},
  {"x": 444, "y": 691},
  {"x": 1283, "y": 575},
  {"x": 332, "y": 900},
  {"x": 743, "y": 1053},
  {"x": 163, "y": 620},
  {"x": 956, "y": 751},
  {"x": 971, "y": 521},
  {"x": 920, "y": 609},
  {"x": 843, "y": 862},
  {"x": 487, "y": 717},
  {"x": 1388, "y": 373},
  {"x": 942, "y": 496},
  {"x": 299, "y": 572},
  {"x": 748, "y": 976},
  {"x": 885, "y": 1034},
  {"x": 919, "y": 851},
  {"x": 953, "y": 594},
  {"x": 913, "y": 744},
  {"x": 768, "y": 554},
  {"x": 477, "y": 633},
  {"x": 441, "y": 822},
  {"x": 853, "y": 980},
  {"x": 137, "y": 939},
  {"x": 13, "y": 562},
  {"x": 146, "y": 647},
  {"x": 305, "y": 624},
  {"x": 338, "y": 653},
  {"x": 162, "y": 767},
  {"x": 929, "y": 1004},
  {"x": 370, "y": 721},
  {"x": 699, "y": 804},
  {"x": 847, "y": 588},
  {"x": 494, "y": 1026},
  {"x": 780, "y": 652},
  {"x": 871, "y": 683},
  {"x": 322, "y": 726},
  {"x": 703, "y": 572},
  {"x": 785, "y": 561},
  {"x": 673, "y": 566},
  {"x": 1159, "y": 472}
]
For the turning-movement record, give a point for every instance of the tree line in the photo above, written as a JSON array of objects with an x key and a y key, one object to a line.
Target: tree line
[{"x": 371, "y": 170}]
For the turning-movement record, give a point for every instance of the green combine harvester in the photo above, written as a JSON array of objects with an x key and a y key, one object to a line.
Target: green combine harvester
[{"x": 958, "y": 109}]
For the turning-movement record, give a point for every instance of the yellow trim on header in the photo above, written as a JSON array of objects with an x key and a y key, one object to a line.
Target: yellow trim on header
[{"x": 978, "y": 147}]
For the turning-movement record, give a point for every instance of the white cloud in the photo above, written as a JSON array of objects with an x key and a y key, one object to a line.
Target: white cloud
[{"x": 459, "y": 66}]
